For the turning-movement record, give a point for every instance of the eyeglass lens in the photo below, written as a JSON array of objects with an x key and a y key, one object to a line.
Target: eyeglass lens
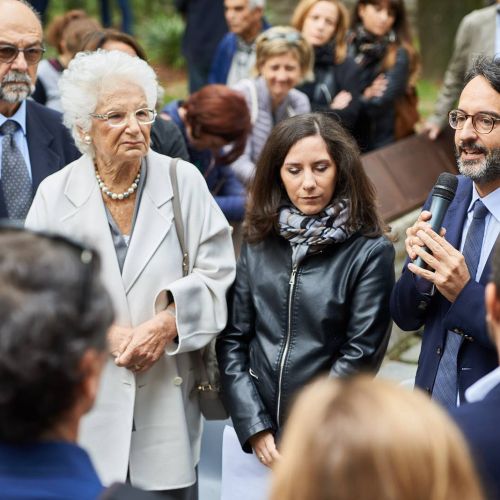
[
  {"x": 32, "y": 54},
  {"x": 144, "y": 116},
  {"x": 481, "y": 122}
]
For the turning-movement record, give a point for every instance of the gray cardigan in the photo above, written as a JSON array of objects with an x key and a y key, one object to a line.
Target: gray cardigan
[{"x": 263, "y": 120}]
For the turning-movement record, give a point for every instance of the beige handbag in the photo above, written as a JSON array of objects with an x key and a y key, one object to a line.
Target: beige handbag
[{"x": 206, "y": 367}]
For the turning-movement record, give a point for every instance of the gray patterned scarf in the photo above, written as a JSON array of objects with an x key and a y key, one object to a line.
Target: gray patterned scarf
[{"x": 309, "y": 233}]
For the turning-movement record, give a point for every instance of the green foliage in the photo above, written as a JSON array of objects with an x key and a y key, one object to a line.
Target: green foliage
[
  {"x": 162, "y": 36},
  {"x": 427, "y": 93}
]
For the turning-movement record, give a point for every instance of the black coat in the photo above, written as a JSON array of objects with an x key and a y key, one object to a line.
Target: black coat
[
  {"x": 331, "y": 78},
  {"x": 331, "y": 316},
  {"x": 375, "y": 125}
]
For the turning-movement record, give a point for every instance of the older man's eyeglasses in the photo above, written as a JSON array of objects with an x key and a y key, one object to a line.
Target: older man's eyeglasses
[
  {"x": 483, "y": 123},
  {"x": 32, "y": 55},
  {"x": 144, "y": 116}
]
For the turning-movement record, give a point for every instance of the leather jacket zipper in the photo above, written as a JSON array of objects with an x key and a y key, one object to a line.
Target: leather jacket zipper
[{"x": 291, "y": 284}]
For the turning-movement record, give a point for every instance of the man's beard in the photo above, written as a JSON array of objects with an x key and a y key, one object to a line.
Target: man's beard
[
  {"x": 480, "y": 171},
  {"x": 21, "y": 90}
]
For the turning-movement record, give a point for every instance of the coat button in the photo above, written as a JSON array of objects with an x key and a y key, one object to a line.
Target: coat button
[
  {"x": 177, "y": 380},
  {"x": 439, "y": 351},
  {"x": 428, "y": 389}
]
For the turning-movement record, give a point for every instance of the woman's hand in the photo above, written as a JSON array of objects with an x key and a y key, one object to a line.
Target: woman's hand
[
  {"x": 118, "y": 339},
  {"x": 147, "y": 343},
  {"x": 264, "y": 447},
  {"x": 341, "y": 100},
  {"x": 377, "y": 87}
]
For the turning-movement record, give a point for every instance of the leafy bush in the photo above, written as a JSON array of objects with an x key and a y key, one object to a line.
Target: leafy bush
[{"x": 161, "y": 37}]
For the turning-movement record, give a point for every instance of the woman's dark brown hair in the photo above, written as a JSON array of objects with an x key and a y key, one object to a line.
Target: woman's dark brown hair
[
  {"x": 267, "y": 192},
  {"x": 218, "y": 110},
  {"x": 97, "y": 40},
  {"x": 402, "y": 31}
]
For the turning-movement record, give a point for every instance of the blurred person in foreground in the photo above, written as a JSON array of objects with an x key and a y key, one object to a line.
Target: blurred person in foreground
[
  {"x": 54, "y": 314},
  {"x": 381, "y": 44},
  {"x": 313, "y": 280},
  {"x": 166, "y": 138},
  {"x": 65, "y": 34},
  {"x": 370, "y": 439},
  {"x": 215, "y": 122},
  {"x": 284, "y": 59},
  {"x": 479, "y": 418},
  {"x": 146, "y": 424},
  {"x": 336, "y": 85}
]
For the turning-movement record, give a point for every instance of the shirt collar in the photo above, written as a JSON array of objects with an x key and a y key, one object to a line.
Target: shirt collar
[
  {"x": 19, "y": 117},
  {"x": 479, "y": 390},
  {"x": 491, "y": 202}
]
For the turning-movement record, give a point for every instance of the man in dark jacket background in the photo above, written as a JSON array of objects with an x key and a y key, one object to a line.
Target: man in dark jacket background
[{"x": 235, "y": 55}]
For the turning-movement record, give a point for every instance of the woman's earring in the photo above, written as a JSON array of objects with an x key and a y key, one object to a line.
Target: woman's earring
[{"x": 87, "y": 139}]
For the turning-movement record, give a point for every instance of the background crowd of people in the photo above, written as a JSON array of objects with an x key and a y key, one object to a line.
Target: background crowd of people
[{"x": 238, "y": 228}]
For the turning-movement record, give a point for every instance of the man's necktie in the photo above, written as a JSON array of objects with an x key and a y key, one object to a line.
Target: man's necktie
[
  {"x": 445, "y": 386},
  {"x": 16, "y": 183}
]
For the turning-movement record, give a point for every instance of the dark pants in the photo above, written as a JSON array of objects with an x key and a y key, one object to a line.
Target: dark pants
[{"x": 126, "y": 11}]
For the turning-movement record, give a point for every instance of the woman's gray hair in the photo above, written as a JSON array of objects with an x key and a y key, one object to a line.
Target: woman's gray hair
[{"x": 81, "y": 85}]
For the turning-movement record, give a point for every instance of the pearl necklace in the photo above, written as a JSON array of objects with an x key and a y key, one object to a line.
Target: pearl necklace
[{"x": 118, "y": 196}]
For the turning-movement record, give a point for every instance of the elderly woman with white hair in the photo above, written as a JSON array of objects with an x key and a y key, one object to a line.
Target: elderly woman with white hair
[{"x": 146, "y": 424}]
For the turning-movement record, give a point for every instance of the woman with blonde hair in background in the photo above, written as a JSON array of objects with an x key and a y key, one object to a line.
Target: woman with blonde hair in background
[
  {"x": 336, "y": 85},
  {"x": 283, "y": 60},
  {"x": 371, "y": 440}
]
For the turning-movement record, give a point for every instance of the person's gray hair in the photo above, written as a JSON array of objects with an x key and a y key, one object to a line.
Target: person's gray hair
[
  {"x": 257, "y": 4},
  {"x": 82, "y": 82},
  {"x": 488, "y": 68}
]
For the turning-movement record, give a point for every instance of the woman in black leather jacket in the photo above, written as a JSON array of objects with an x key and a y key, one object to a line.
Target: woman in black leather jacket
[
  {"x": 380, "y": 43},
  {"x": 336, "y": 85},
  {"x": 313, "y": 280}
]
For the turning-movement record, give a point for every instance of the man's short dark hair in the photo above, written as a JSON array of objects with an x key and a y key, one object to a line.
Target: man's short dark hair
[
  {"x": 53, "y": 309},
  {"x": 488, "y": 68}
]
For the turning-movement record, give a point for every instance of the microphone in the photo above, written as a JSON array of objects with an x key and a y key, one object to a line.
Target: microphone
[{"x": 442, "y": 195}]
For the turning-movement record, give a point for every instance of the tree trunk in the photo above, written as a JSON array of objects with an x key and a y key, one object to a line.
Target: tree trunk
[{"x": 437, "y": 25}]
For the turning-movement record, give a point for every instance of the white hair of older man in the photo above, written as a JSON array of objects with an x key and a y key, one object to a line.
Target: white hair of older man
[
  {"x": 87, "y": 73},
  {"x": 255, "y": 4}
]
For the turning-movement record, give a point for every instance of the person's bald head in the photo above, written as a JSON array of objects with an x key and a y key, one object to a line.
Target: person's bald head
[{"x": 20, "y": 27}]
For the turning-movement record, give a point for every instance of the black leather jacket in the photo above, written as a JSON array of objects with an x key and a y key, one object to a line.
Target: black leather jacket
[{"x": 286, "y": 326}]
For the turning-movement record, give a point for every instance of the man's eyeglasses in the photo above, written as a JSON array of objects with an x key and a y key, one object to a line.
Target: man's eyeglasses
[
  {"x": 32, "y": 55},
  {"x": 483, "y": 123},
  {"x": 144, "y": 116}
]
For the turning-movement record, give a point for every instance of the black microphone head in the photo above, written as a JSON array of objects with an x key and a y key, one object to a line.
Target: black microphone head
[{"x": 446, "y": 186}]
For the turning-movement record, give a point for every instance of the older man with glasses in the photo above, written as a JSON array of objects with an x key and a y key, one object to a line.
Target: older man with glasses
[
  {"x": 447, "y": 296},
  {"x": 33, "y": 141}
]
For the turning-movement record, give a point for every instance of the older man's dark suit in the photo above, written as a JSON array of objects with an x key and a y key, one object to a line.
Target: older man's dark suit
[
  {"x": 479, "y": 422},
  {"x": 477, "y": 355},
  {"x": 50, "y": 145}
]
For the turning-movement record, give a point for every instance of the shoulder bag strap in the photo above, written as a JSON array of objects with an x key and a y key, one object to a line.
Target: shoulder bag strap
[
  {"x": 199, "y": 364},
  {"x": 179, "y": 226}
]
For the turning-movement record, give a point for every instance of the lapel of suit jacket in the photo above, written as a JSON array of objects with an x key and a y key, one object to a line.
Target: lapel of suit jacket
[
  {"x": 154, "y": 219},
  {"x": 89, "y": 217},
  {"x": 44, "y": 161}
]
